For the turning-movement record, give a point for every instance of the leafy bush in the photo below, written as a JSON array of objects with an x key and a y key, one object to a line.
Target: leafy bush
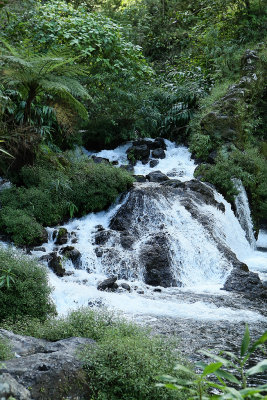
[
  {"x": 28, "y": 294},
  {"x": 125, "y": 367},
  {"x": 23, "y": 228},
  {"x": 125, "y": 360},
  {"x": 52, "y": 194},
  {"x": 5, "y": 350}
]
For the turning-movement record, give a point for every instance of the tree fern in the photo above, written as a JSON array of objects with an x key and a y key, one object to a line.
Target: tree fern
[{"x": 44, "y": 74}]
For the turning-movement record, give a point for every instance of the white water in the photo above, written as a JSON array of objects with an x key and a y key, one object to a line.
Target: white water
[
  {"x": 243, "y": 212},
  {"x": 201, "y": 267}
]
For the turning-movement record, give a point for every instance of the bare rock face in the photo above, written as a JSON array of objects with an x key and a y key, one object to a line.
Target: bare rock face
[
  {"x": 156, "y": 259},
  {"x": 9, "y": 387},
  {"x": 246, "y": 282},
  {"x": 50, "y": 369}
]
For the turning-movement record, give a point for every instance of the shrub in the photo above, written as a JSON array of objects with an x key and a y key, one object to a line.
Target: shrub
[
  {"x": 53, "y": 191},
  {"x": 125, "y": 367},
  {"x": 28, "y": 294},
  {"x": 23, "y": 228},
  {"x": 5, "y": 350}
]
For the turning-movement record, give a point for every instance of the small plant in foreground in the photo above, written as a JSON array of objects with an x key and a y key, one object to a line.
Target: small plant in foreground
[{"x": 197, "y": 388}]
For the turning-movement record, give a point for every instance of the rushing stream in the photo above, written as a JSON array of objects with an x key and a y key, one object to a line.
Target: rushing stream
[{"x": 196, "y": 263}]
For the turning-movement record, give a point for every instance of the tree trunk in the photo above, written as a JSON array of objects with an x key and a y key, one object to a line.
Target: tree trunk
[{"x": 27, "y": 111}]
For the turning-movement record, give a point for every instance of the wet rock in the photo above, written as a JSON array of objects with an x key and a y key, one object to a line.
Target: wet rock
[
  {"x": 139, "y": 178},
  {"x": 51, "y": 369},
  {"x": 108, "y": 284},
  {"x": 246, "y": 282},
  {"x": 157, "y": 262},
  {"x": 158, "y": 153},
  {"x": 157, "y": 290},
  {"x": 126, "y": 241},
  {"x": 160, "y": 143},
  {"x": 126, "y": 286},
  {"x": 55, "y": 263},
  {"x": 43, "y": 249},
  {"x": 99, "y": 252},
  {"x": 61, "y": 236},
  {"x": 10, "y": 388},
  {"x": 128, "y": 167},
  {"x": 139, "y": 291},
  {"x": 157, "y": 176},
  {"x": 102, "y": 237},
  {"x": 100, "y": 160},
  {"x": 153, "y": 163},
  {"x": 115, "y": 162},
  {"x": 138, "y": 153},
  {"x": 73, "y": 254},
  {"x": 99, "y": 228}
]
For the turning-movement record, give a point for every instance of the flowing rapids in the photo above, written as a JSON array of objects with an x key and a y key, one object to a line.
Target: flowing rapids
[{"x": 194, "y": 257}]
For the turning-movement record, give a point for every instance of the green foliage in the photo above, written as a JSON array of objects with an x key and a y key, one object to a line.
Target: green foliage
[
  {"x": 248, "y": 166},
  {"x": 34, "y": 75},
  {"x": 23, "y": 229},
  {"x": 29, "y": 295},
  {"x": 5, "y": 350},
  {"x": 224, "y": 362},
  {"x": 51, "y": 194},
  {"x": 125, "y": 359},
  {"x": 125, "y": 367}
]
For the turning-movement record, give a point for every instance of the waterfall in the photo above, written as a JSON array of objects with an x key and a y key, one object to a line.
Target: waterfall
[
  {"x": 243, "y": 212},
  {"x": 181, "y": 236}
]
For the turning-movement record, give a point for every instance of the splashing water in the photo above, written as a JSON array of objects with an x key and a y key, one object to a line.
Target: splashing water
[{"x": 196, "y": 260}]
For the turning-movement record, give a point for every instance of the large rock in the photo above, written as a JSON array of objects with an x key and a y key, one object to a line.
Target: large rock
[
  {"x": 246, "y": 282},
  {"x": 158, "y": 153},
  {"x": 73, "y": 254},
  {"x": 157, "y": 176},
  {"x": 51, "y": 370},
  {"x": 108, "y": 284},
  {"x": 10, "y": 388},
  {"x": 61, "y": 236},
  {"x": 157, "y": 262},
  {"x": 138, "y": 153},
  {"x": 55, "y": 263}
]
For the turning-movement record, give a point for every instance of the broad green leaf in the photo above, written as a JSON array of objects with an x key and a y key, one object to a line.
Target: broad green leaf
[
  {"x": 182, "y": 368},
  {"x": 245, "y": 341},
  {"x": 224, "y": 361},
  {"x": 234, "y": 394},
  {"x": 174, "y": 387},
  {"x": 251, "y": 390},
  {"x": 258, "y": 368},
  {"x": 211, "y": 368},
  {"x": 230, "y": 354},
  {"x": 258, "y": 342},
  {"x": 227, "y": 375}
]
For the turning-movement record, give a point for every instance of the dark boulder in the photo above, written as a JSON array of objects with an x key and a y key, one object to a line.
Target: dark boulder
[
  {"x": 108, "y": 284},
  {"x": 139, "y": 178},
  {"x": 52, "y": 370},
  {"x": 100, "y": 160},
  {"x": 102, "y": 237},
  {"x": 160, "y": 143},
  {"x": 158, "y": 153},
  {"x": 157, "y": 176},
  {"x": 126, "y": 241},
  {"x": 126, "y": 286},
  {"x": 138, "y": 153},
  {"x": 61, "y": 236},
  {"x": 55, "y": 263},
  {"x": 245, "y": 282},
  {"x": 157, "y": 262},
  {"x": 127, "y": 167},
  {"x": 73, "y": 254},
  {"x": 153, "y": 163}
]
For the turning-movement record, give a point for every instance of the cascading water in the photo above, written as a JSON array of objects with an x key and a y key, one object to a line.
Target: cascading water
[
  {"x": 243, "y": 212},
  {"x": 186, "y": 230}
]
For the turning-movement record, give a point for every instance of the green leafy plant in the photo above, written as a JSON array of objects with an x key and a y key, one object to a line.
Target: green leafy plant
[
  {"x": 29, "y": 295},
  {"x": 230, "y": 369},
  {"x": 7, "y": 277},
  {"x": 5, "y": 350},
  {"x": 49, "y": 74}
]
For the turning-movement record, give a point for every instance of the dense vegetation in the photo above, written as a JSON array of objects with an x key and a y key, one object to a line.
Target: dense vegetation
[
  {"x": 96, "y": 73},
  {"x": 24, "y": 288}
]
